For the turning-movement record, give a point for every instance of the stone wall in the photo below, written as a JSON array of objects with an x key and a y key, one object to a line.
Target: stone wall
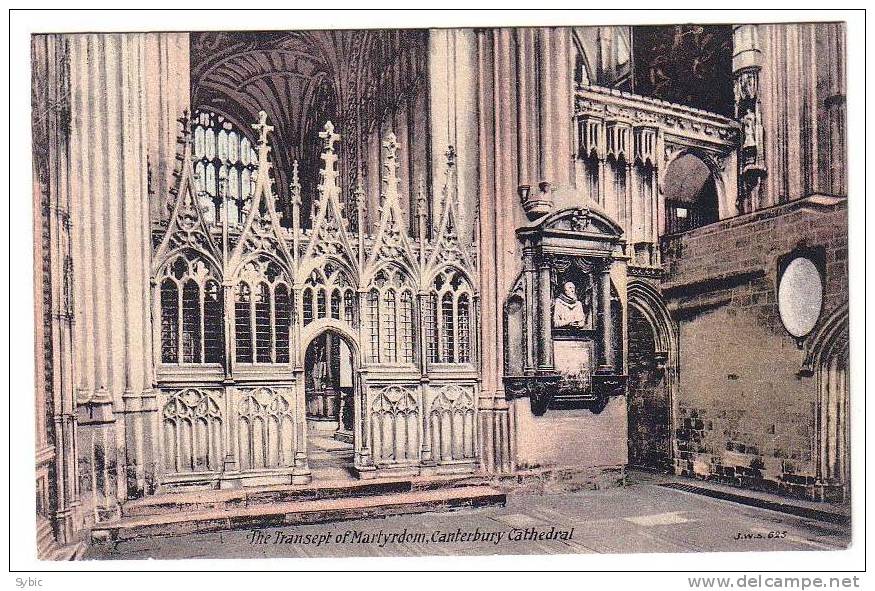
[
  {"x": 743, "y": 414},
  {"x": 576, "y": 438}
]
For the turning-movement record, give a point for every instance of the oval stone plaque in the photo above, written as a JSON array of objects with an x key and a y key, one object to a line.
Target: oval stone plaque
[{"x": 800, "y": 296}]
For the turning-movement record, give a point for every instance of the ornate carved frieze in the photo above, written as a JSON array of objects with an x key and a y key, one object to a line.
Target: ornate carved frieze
[
  {"x": 192, "y": 423},
  {"x": 265, "y": 428},
  {"x": 646, "y": 272},
  {"x": 594, "y": 103},
  {"x": 394, "y": 425}
]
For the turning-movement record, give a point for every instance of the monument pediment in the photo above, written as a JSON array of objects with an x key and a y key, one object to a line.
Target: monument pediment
[{"x": 584, "y": 229}]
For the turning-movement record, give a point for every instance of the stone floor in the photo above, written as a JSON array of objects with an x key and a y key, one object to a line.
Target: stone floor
[
  {"x": 329, "y": 459},
  {"x": 643, "y": 517}
]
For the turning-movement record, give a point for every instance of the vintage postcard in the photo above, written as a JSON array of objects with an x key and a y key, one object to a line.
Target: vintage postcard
[{"x": 338, "y": 292}]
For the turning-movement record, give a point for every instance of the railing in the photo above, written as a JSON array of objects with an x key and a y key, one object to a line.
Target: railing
[{"x": 625, "y": 146}]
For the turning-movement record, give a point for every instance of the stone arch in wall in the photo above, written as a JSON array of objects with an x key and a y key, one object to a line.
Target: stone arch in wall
[
  {"x": 652, "y": 362},
  {"x": 694, "y": 191},
  {"x": 828, "y": 360},
  {"x": 331, "y": 391}
]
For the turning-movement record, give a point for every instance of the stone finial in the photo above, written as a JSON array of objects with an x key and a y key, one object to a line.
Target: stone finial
[
  {"x": 295, "y": 185},
  {"x": 390, "y": 166},
  {"x": 329, "y": 137},
  {"x": 262, "y": 128},
  {"x": 186, "y": 122},
  {"x": 328, "y": 174},
  {"x": 451, "y": 156}
]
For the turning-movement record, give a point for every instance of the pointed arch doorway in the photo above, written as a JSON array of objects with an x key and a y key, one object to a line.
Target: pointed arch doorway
[
  {"x": 331, "y": 382},
  {"x": 652, "y": 362}
]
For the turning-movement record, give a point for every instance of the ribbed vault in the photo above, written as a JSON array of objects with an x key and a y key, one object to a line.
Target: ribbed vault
[{"x": 301, "y": 79}]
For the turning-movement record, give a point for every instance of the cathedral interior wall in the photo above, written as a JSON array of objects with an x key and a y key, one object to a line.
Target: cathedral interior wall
[
  {"x": 743, "y": 413},
  {"x": 572, "y": 438},
  {"x": 497, "y": 129}
]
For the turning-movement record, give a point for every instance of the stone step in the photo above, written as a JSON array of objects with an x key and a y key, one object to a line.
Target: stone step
[
  {"x": 212, "y": 500},
  {"x": 296, "y": 512}
]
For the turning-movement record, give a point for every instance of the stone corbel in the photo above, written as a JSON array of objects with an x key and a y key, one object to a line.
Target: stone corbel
[{"x": 536, "y": 203}]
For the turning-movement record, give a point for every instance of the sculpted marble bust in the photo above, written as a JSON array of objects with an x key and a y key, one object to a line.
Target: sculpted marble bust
[{"x": 568, "y": 310}]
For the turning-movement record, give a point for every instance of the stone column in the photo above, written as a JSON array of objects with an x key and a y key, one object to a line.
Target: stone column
[
  {"x": 57, "y": 466},
  {"x": 114, "y": 78},
  {"x": 802, "y": 95},
  {"x": 453, "y": 112},
  {"x": 527, "y": 159},
  {"x": 606, "y": 321},
  {"x": 545, "y": 324},
  {"x": 531, "y": 281},
  {"x": 301, "y": 472},
  {"x": 364, "y": 460},
  {"x": 166, "y": 70},
  {"x": 422, "y": 354}
]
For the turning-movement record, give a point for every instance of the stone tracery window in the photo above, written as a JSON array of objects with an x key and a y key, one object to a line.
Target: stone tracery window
[
  {"x": 225, "y": 163},
  {"x": 429, "y": 315},
  {"x": 448, "y": 332},
  {"x": 192, "y": 328},
  {"x": 374, "y": 324},
  {"x": 388, "y": 327},
  {"x": 390, "y": 318},
  {"x": 463, "y": 312},
  {"x": 262, "y": 314},
  {"x": 329, "y": 293},
  {"x": 282, "y": 322},
  {"x": 447, "y": 311}
]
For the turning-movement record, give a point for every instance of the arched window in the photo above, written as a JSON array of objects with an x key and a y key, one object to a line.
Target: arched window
[
  {"x": 191, "y": 323},
  {"x": 388, "y": 314},
  {"x": 192, "y": 327},
  {"x": 463, "y": 313},
  {"x": 448, "y": 331},
  {"x": 262, "y": 324},
  {"x": 320, "y": 303},
  {"x": 307, "y": 298},
  {"x": 374, "y": 324},
  {"x": 390, "y": 318},
  {"x": 169, "y": 321},
  {"x": 447, "y": 318},
  {"x": 214, "y": 323},
  {"x": 224, "y": 162},
  {"x": 349, "y": 307},
  {"x": 429, "y": 315},
  {"x": 405, "y": 327},
  {"x": 262, "y": 314},
  {"x": 335, "y": 304},
  {"x": 282, "y": 322},
  {"x": 243, "y": 322}
]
